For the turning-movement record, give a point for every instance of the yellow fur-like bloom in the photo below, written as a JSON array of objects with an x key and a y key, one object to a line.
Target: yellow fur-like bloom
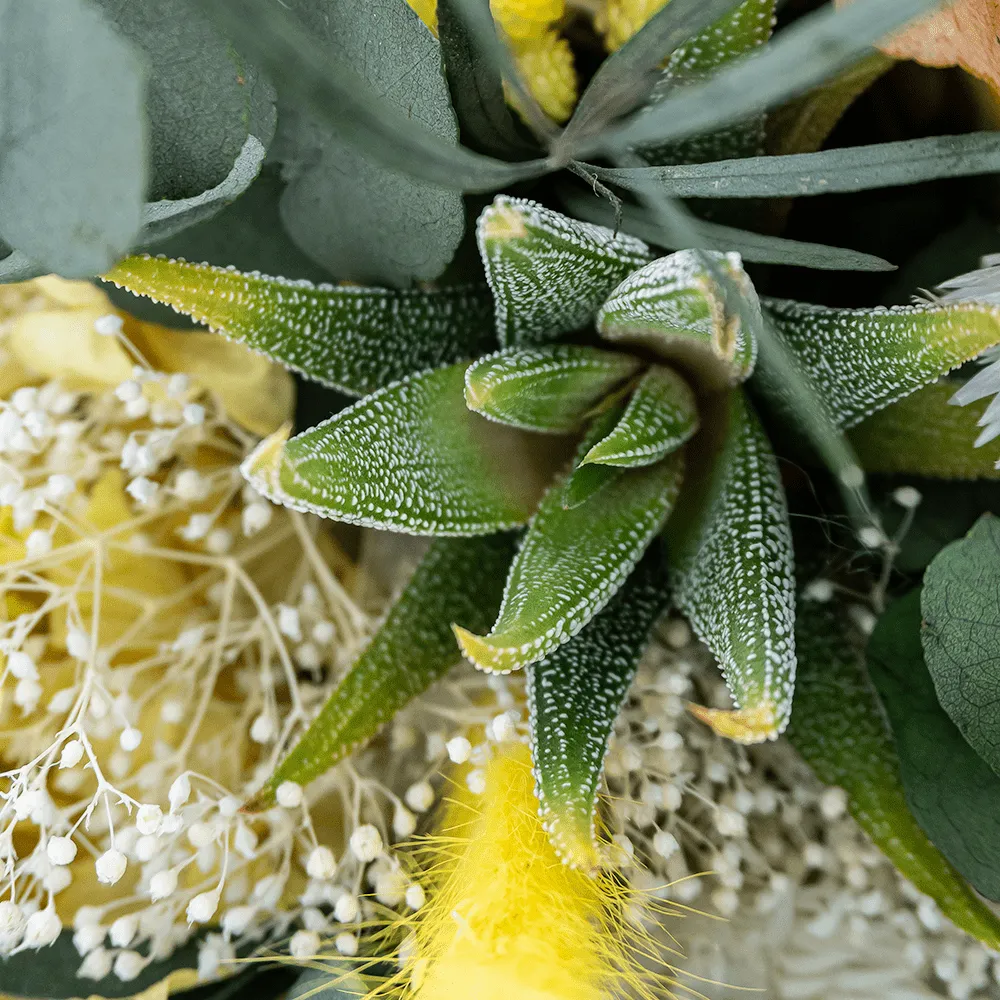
[
  {"x": 621, "y": 19},
  {"x": 505, "y": 918},
  {"x": 546, "y": 66}
]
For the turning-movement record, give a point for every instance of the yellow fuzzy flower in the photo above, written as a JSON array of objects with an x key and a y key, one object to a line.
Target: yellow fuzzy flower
[
  {"x": 546, "y": 66},
  {"x": 522, "y": 20},
  {"x": 619, "y": 20}
]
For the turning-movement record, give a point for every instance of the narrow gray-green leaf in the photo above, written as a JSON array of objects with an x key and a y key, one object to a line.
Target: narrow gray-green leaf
[
  {"x": 72, "y": 136},
  {"x": 410, "y": 457},
  {"x": 674, "y": 307},
  {"x": 960, "y": 634},
  {"x": 552, "y": 388},
  {"x": 353, "y": 339},
  {"x": 572, "y": 562},
  {"x": 861, "y": 360},
  {"x": 574, "y": 696},
  {"x": 458, "y": 578},
  {"x": 301, "y": 68},
  {"x": 831, "y": 171},
  {"x": 549, "y": 273},
  {"x": 814, "y": 48},
  {"x": 661, "y": 415},
  {"x": 16, "y": 267},
  {"x": 729, "y": 548},
  {"x": 755, "y": 247}
]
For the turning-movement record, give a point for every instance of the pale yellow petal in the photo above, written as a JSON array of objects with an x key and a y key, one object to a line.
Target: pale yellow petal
[{"x": 75, "y": 294}]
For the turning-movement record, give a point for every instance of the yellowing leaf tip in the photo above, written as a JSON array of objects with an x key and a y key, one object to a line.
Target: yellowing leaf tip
[
  {"x": 742, "y": 725},
  {"x": 502, "y": 221},
  {"x": 482, "y": 654},
  {"x": 262, "y": 466}
]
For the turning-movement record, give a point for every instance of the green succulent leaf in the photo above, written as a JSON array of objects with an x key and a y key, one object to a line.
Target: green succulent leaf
[
  {"x": 574, "y": 696},
  {"x": 839, "y": 730},
  {"x": 961, "y": 644},
  {"x": 661, "y": 415},
  {"x": 410, "y": 457},
  {"x": 923, "y": 434},
  {"x": 412, "y": 648},
  {"x": 951, "y": 790},
  {"x": 862, "y": 360},
  {"x": 549, "y": 273},
  {"x": 585, "y": 478},
  {"x": 551, "y": 388},
  {"x": 674, "y": 307},
  {"x": 72, "y": 137},
  {"x": 729, "y": 549},
  {"x": 353, "y": 339},
  {"x": 203, "y": 100},
  {"x": 573, "y": 560}
]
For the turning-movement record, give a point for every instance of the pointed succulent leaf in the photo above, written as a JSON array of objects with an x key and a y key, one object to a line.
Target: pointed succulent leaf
[
  {"x": 922, "y": 434},
  {"x": 549, "y": 273},
  {"x": 572, "y": 562},
  {"x": 674, "y": 307},
  {"x": 661, "y": 415},
  {"x": 839, "y": 729},
  {"x": 412, "y": 648},
  {"x": 864, "y": 359},
  {"x": 574, "y": 696},
  {"x": 729, "y": 548},
  {"x": 585, "y": 479},
  {"x": 410, "y": 457},
  {"x": 553, "y": 388},
  {"x": 354, "y": 339}
]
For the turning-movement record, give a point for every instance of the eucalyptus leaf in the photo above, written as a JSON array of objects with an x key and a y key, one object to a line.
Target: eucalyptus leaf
[
  {"x": 410, "y": 457},
  {"x": 729, "y": 550},
  {"x": 839, "y": 730},
  {"x": 960, "y": 637},
  {"x": 950, "y": 789},
  {"x": 72, "y": 137},
  {"x": 458, "y": 579},
  {"x": 574, "y": 696},
  {"x": 552, "y": 388},
  {"x": 203, "y": 100}
]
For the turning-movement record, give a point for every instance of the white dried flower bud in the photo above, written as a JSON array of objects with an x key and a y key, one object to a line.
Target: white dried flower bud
[
  {"x": 346, "y": 909},
  {"x": 78, "y": 644},
  {"x": 162, "y": 884},
  {"x": 22, "y": 666},
  {"x": 57, "y": 879},
  {"x": 123, "y": 930},
  {"x": 304, "y": 944},
  {"x": 129, "y": 739},
  {"x": 665, "y": 844},
  {"x": 419, "y": 796},
  {"x": 288, "y": 622},
  {"x": 256, "y": 516},
  {"x": 108, "y": 325},
  {"x": 87, "y": 938},
  {"x": 459, "y": 749},
  {"x": 146, "y": 847},
  {"x": 61, "y": 850},
  {"x": 289, "y": 795},
  {"x": 237, "y": 919},
  {"x": 144, "y": 491},
  {"x": 38, "y": 544},
  {"x": 475, "y": 781},
  {"x": 403, "y": 822},
  {"x": 179, "y": 792},
  {"x": 202, "y": 907},
  {"x": 42, "y": 928},
  {"x": 366, "y": 843},
  {"x": 346, "y": 944},
  {"x": 263, "y": 729},
  {"x": 12, "y": 924},
  {"x": 194, "y": 414},
  {"x": 97, "y": 964},
  {"x": 128, "y": 965},
  {"x": 147, "y": 818},
  {"x": 321, "y": 863},
  {"x": 415, "y": 897},
  {"x": 111, "y": 866}
]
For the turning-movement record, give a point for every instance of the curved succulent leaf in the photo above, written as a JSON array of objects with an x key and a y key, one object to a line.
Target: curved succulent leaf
[
  {"x": 864, "y": 359},
  {"x": 731, "y": 570},
  {"x": 549, "y": 273},
  {"x": 412, "y": 648},
  {"x": 585, "y": 480},
  {"x": 839, "y": 729},
  {"x": 922, "y": 434},
  {"x": 661, "y": 415},
  {"x": 674, "y": 307},
  {"x": 410, "y": 457},
  {"x": 574, "y": 696},
  {"x": 354, "y": 339},
  {"x": 554, "y": 387},
  {"x": 572, "y": 562}
]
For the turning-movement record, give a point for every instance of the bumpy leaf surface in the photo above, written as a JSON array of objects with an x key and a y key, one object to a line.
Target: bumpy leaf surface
[
  {"x": 572, "y": 562},
  {"x": 410, "y": 457},
  {"x": 661, "y": 415},
  {"x": 839, "y": 729},
  {"x": 574, "y": 696},
  {"x": 731, "y": 570},
  {"x": 586, "y": 478},
  {"x": 549, "y": 388},
  {"x": 549, "y": 273},
  {"x": 961, "y": 609},
  {"x": 413, "y": 647},
  {"x": 923, "y": 434},
  {"x": 951, "y": 790},
  {"x": 864, "y": 359},
  {"x": 354, "y": 339},
  {"x": 672, "y": 306}
]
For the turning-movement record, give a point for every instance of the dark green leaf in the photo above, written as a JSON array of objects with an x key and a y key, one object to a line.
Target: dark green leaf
[
  {"x": 341, "y": 98},
  {"x": 856, "y": 168},
  {"x": 838, "y": 727},
  {"x": 72, "y": 135},
  {"x": 203, "y": 100},
  {"x": 814, "y": 48},
  {"x": 574, "y": 696},
  {"x": 962, "y": 635},
  {"x": 552, "y": 388},
  {"x": 729, "y": 548},
  {"x": 459, "y": 579},
  {"x": 410, "y": 457},
  {"x": 950, "y": 789},
  {"x": 350, "y": 338}
]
